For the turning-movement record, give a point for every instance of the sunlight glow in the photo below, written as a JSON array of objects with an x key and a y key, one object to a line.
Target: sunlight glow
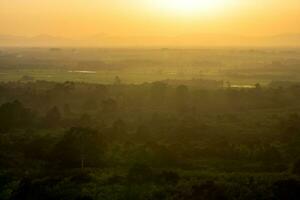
[{"x": 191, "y": 7}]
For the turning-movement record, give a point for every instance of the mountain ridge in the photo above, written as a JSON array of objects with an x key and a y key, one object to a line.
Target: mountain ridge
[{"x": 201, "y": 39}]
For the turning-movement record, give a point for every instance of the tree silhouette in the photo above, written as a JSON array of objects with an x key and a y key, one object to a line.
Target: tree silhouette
[
  {"x": 14, "y": 115},
  {"x": 158, "y": 92},
  {"x": 80, "y": 147},
  {"x": 52, "y": 118},
  {"x": 181, "y": 98}
]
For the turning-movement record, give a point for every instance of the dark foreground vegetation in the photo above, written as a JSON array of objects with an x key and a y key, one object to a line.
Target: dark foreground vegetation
[{"x": 152, "y": 141}]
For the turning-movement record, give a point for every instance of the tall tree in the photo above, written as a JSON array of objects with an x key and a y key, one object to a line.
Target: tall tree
[
  {"x": 82, "y": 147},
  {"x": 53, "y": 118},
  {"x": 14, "y": 115}
]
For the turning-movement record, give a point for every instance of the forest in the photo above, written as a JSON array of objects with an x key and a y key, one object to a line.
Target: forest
[
  {"x": 149, "y": 99},
  {"x": 195, "y": 139}
]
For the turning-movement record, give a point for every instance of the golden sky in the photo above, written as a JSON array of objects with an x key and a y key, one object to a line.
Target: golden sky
[{"x": 83, "y": 18}]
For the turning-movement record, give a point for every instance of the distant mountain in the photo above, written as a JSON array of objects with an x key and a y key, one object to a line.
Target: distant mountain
[
  {"x": 283, "y": 39},
  {"x": 10, "y": 37},
  {"x": 48, "y": 38},
  {"x": 39, "y": 40},
  {"x": 182, "y": 40}
]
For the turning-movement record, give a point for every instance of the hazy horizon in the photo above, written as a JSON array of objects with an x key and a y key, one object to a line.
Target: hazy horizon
[
  {"x": 105, "y": 40},
  {"x": 132, "y": 22}
]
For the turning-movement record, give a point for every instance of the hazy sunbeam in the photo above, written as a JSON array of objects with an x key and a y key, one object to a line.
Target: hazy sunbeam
[{"x": 190, "y": 7}]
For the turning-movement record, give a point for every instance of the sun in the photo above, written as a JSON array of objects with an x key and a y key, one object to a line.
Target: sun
[
  {"x": 181, "y": 5},
  {"x": 191, "y": 6}
]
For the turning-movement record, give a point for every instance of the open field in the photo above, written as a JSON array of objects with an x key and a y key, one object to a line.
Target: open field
[{"x": 239, "y": 66}]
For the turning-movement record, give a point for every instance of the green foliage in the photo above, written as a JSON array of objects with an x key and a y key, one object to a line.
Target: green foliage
[
  {"x": 296, "y": 167},
  {"x": 52, "y": 118},
  {"x": 79, "y": 147},
  {"x": 14, "y": 115},
  {"x": 151, "y": 141}
]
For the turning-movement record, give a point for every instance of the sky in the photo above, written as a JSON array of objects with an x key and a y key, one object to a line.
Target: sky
[{"x": 85, "y": 18}]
